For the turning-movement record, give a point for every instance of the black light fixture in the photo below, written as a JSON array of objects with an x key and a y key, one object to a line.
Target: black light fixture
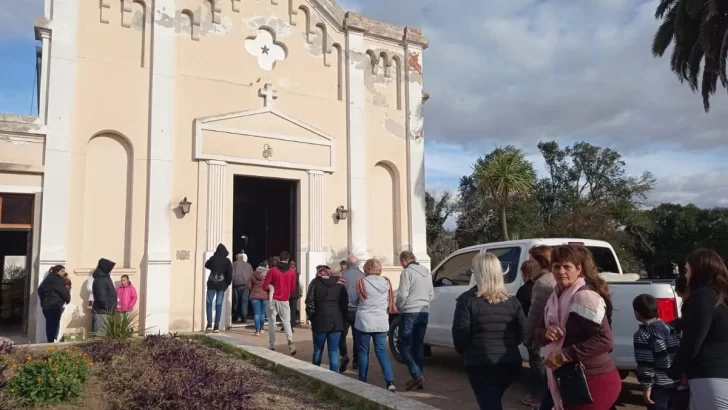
[
  {"x": 341, "y": 213},
  {"x": 185, "y": 206}
]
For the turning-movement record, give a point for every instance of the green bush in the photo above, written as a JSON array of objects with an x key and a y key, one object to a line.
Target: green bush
[
  {"x": 56, "y": 377},
  {"x": 118, "y": 326}
]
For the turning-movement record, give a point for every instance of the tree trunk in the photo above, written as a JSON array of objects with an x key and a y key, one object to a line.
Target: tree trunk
[{"x": 504, "y": 223}]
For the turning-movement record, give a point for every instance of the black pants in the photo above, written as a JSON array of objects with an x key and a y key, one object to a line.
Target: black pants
[
  {"x": 490, "y": 382},
  {"x": 53, "y": 323},
  {"x": 293, "y": 303},
  {"x": 349, "y": 320}
]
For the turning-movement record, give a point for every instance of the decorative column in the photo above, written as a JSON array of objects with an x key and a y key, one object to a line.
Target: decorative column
[
  {"x": 56, "y": 180},
  {"x": 414, "y": 45},
  {"x": 215, "y": 200},
  {"x": 316, "y": 253},
  {"x": 356, "y": 133},
  {"x": 215, "y": 225},
  {"x": 161, "y": 148},
  {"x": 43, "y": 33}
]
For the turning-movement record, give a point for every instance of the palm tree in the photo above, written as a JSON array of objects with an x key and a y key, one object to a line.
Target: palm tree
[
  {"x": 503, "y": 177},
  {"x": 698, "y": 30}
]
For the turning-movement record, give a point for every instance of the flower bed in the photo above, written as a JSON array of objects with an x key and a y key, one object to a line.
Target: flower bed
[{"x": 156, "y": 372}]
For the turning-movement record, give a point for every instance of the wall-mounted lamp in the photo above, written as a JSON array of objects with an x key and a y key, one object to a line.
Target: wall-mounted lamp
[
  {"x": 341, "y": 213},
  {"x": 185, "y": 205},
  {"x": 267, "y": 151}
]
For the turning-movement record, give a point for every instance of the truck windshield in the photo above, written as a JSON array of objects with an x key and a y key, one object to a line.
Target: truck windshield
[{"x": 604, "y": 259}]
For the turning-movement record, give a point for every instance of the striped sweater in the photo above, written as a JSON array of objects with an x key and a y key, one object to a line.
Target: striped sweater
[{"x": 655, "y": 346}]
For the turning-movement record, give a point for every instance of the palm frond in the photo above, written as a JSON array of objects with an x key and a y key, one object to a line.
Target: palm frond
[{"x": 663, "y": 7}]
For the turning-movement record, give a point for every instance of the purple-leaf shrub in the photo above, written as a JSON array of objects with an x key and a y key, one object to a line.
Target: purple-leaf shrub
[{"x": 166, "y": 373}]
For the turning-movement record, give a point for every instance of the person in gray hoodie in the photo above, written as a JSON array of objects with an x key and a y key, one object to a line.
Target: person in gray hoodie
[
  {"x": 351, "y": 275},
  {"x": 374, "y": 301},
  {"x": 413, "y": 301}
]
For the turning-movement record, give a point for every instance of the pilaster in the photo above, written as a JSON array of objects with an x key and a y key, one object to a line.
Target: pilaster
[
  {"x": 356, "y": 149},
  {"x": 316, "y": 254},
  {"x": 215, "y": 202},
  {"x": 60, "y": 109},
  {"x": 160, "y": 202},
  {"x": 415, "y": 153}
]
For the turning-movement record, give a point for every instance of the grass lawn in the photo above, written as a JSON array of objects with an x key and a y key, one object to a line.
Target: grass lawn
[{"x": 165, "y": 373}]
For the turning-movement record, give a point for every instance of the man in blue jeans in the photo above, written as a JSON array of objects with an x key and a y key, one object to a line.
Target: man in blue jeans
[
  {"x": 413, "y": 302},
  {"x": 221, "y": 276}
]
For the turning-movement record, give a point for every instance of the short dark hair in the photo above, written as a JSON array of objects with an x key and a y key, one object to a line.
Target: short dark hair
[
  {"x": 681, "y": 284},
  {"x": 407, "y": 256},
  {"x": 344, "y": 263},
  {"x": 284, "y": 256},
  {"x": 645, "y": 305},
  {"x": 126, "y": 276}
]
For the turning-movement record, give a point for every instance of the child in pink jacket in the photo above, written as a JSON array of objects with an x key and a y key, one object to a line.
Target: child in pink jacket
[{"x": 127, "y": 296}]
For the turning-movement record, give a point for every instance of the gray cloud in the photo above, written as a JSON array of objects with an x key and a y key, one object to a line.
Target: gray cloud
[
  {"x": 706, "y": 190},
  {"x": 518, "y": 71},
  {"x": 16, "y": 18}
]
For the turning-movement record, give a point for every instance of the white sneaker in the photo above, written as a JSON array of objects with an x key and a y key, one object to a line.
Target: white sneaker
[{"x": 292, "y": 348}]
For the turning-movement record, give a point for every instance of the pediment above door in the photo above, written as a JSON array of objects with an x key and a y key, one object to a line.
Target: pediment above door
[{"x": 264, "y": 137}]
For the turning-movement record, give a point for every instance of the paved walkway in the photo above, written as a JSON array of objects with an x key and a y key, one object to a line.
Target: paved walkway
[{"x": 447, "y": 385}]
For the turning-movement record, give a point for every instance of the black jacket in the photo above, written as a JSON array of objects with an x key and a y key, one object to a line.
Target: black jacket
[
  {"x": 703, "y": 351},
  {"x": 326, "y": 304},
  {"x": 524, "y": 296},
  {"x": 103, "y": 288},
  {"x": 53, "y": 292},
  {"x": 296, "y": 293},
  {"x": 488, "y": 333},
  {"x": 221, "y": 269}
]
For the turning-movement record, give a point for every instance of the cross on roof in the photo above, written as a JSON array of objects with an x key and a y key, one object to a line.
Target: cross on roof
[{"x": 269, "y": 94}]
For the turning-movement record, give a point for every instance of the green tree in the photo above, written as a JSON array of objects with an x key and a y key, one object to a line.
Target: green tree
[
  {"x": 698, "y": 31},
  {"x": 506, "y": 177},
  {"x": 440, "y": 241}
]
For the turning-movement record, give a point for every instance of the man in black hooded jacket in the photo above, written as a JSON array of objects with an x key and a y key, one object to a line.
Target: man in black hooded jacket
[
  {"x": 221, "y": 276},
  {"x": 104, "y": 293}
]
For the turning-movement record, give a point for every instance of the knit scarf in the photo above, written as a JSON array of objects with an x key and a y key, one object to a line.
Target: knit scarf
[
  {"x": 362, "y": 290},
  {"x": 558, "y": 308}
]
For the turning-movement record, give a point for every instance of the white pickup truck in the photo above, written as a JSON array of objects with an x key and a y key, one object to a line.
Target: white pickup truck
[{"x": 452, "y": 276}]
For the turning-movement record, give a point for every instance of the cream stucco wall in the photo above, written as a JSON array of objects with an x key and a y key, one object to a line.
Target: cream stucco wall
[{"x": 167, "y": 104}]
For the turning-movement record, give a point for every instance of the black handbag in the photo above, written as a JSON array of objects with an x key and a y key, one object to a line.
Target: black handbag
[{"x": 572, "y": 384}]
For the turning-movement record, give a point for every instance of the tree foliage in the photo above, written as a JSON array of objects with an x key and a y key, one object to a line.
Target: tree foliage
[{"x": 698, "y": 32}]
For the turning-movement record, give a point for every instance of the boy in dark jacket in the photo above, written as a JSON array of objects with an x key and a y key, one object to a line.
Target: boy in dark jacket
[
  {"x": 53, "y": 295},
  {"x": 104, "y": 293},
  {"x": 221, "y": 276},
  {"x": 655, "y": 346},
  {"x": 326, "y": 305}
]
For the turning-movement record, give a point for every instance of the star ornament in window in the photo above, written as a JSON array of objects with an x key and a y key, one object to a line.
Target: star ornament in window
[{"x": 265, "y": 49}]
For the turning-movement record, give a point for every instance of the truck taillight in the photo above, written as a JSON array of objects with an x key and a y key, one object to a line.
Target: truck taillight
[{"x": 667, "y": 309}]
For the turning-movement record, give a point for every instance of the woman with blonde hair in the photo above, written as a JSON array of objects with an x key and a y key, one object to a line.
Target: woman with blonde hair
[
  {"x": 375, "y": 300},
  {"x": 488, "y": 326}
]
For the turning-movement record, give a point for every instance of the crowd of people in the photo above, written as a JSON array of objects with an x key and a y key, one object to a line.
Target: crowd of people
[
  {"x": 104, "y": 300},
  {"x": 562, "y": 314}
]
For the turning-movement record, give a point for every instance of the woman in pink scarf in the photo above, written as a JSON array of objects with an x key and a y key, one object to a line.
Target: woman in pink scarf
[{"x": 576, "y": 327}]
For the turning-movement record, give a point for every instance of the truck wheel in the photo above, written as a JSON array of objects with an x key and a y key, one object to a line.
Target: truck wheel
[{"x": 393, "y": 336}]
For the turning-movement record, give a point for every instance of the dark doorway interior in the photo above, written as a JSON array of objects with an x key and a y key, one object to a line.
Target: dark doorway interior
[
  {"x": 264, "y": 217},
  {"x": 15, "y": 246}
]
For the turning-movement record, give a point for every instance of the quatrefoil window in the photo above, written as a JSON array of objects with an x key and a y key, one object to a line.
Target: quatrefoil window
[{"x": 266, "y": 49}]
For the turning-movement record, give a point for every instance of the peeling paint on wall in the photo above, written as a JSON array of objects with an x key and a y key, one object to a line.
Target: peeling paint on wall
[
  {"x": 316, "y": 46},
  {"x": 207, "y": 26},
  {"x": 394, "y": 126},
  {"x": 415, "y": 68},
  {"x": 417, "y": 123},
  {"x": 275, "y": 23}
]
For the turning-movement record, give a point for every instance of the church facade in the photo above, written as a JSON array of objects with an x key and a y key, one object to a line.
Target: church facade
[{"x": 154, "y": 117}]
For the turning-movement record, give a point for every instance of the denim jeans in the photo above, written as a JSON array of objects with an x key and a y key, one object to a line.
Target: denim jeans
[
  {"x": 380, "y": 350},
  {"x": 412, "y": 341},
  {"x": 53, "y": 323},
  {"x": 662, "y": 397},
  {"x": 547, "y": 401},
  {"x": 259, "y": 306},
  {"x": 242, "y": 298},
  {"x": 490, "y": 382},
  {"x": 219, "y": 297},
  {"x": 332, "y": 340}
]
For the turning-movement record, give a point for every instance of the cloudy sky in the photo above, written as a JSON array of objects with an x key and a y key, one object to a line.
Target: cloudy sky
[{"x": 516, "y": 72}]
